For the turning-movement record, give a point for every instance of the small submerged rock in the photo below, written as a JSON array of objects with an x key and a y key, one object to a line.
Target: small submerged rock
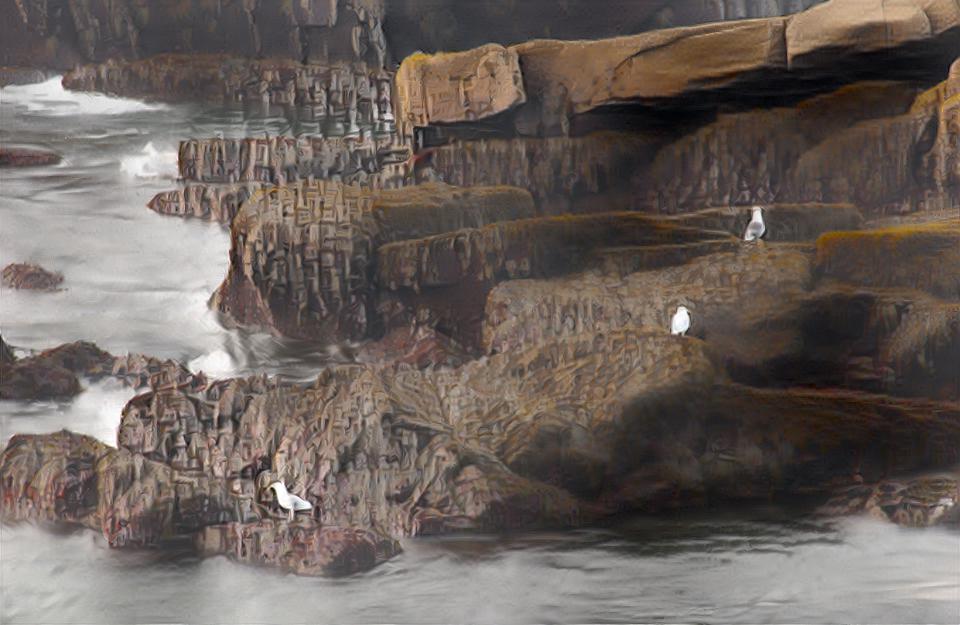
[
  {"x": 31, "y": 277},
  {"x": 27, "y": 157}
]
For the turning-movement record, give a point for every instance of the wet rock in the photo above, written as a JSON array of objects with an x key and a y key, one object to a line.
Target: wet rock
[
  {"x": 31, "y": 277},
  {"x": 27, "y": 157},
  {"x": 321, "y": 91},
  {"x": 21, "y": 76},
  {"x": 7, "y": 356},
  {"x": 920, "y": 501},
  {"x": 304, "y": 548},
  {"x": 54, "y": 373}
]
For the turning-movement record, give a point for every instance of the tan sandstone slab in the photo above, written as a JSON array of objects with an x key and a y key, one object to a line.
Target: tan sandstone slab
[
  {"x": 450, "y": 87},
  {"x": 867, "y": 25}
]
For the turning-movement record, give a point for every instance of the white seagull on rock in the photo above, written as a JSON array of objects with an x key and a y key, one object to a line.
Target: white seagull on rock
[
  {"x": 289, "y": 501},
  {"x": 681, "y": 321},
  {"x": 756, "y": 228}
]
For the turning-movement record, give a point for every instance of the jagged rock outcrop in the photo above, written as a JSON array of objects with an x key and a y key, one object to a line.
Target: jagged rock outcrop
[
  {"x": 55, "y": 373},
  {"x": 58, "y": 35},
  {"x": 451, "y": 274},
  {"x": 698, "y": 65},
  {"x": 302, "y": 255},
  {"x": 552, "y": 434},
  {"x": 27, "y": 157},
  {"x": 221, "y": 174},
  {"x": 30, "y": 277},
  {"x": 324, "y": 92},
  {"x": 830, "y": 148}
]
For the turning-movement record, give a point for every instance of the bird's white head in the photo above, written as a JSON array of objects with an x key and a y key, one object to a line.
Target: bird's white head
[
  {"x": 683, "y": 309},
  {"x": 757, "y": 211}
]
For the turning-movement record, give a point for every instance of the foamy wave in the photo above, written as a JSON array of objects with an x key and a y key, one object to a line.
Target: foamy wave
[
  {"x": 50, "y": 98},
  {"x": 150, "y": 163},
  {"x": 216, "y": 364}
]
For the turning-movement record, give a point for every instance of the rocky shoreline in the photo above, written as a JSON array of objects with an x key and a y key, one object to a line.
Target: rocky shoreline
[{"x": 504, "y": 233}]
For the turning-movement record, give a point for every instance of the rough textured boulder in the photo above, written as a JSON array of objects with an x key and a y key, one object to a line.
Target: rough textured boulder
[
  {"x": 27, "y": 157},
  {"x": 54, "y": 373},
  {"x": 30, "y": 277},
  {"x": 455, "y": 86},
  {"x": 300, "y": 254},
  {"x": 921, "y": 501}
]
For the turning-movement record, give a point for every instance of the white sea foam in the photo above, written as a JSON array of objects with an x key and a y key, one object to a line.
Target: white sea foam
[
  {"x": 150, "y": 163},
  {"x": 216, "y": 364},
  {"x": 50, "y": 98}
]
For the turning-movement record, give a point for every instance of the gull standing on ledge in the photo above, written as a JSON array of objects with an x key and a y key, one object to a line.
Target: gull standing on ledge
[
  {"x": 756, "y": 228},
  {"x": 288, "y": 501},
  {"x": 681, "y": 321}
]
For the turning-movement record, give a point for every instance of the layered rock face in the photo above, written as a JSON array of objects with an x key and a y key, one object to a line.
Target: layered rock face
[
  {"x": 560, "y": 78},
  {"x": 832, "y": 148},
  {"x": 58, "y": 35},
  {"x": 302, "y": 256},
  {"x": 219, "y": 175}
]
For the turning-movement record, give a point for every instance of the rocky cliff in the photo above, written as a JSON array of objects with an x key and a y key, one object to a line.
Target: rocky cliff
[{"x": 60, "y": 34}]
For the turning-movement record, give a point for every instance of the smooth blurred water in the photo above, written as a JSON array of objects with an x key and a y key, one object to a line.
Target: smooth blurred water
[{"x": 137, "y": 281}]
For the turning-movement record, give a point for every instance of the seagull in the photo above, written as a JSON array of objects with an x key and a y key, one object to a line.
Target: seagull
[
  {"x": 289, "y": 501},
  {"x": 756, "y": 228},
  {"x": 681, "y": 321}
]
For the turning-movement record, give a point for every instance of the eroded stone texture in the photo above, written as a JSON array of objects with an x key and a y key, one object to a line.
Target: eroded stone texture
[
  {"x": 791, "y": 154},
  {"x": 451, "y": 274},
  {"x": 927, "y": 257},
  {"x": 30, "y": 277},
  {"x": 554, "y": 434},
  {"x": 54, "y": 373},
  {"x": 62, "y": 34},
  {"x": 222, "y": 174},
  {"x": 568, "y": 78},
  {"x": 921, "y": 501},
  {"x": 565, "y": 174},
  {"x": 458, "y": 86},
  {"x": 325, "y": 92},
  {"x": 860, "y": 26},
  {"x": 303, "y": 255}
]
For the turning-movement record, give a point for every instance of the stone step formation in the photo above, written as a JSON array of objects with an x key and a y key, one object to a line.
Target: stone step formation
[{"x": 516, "y": 368}]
